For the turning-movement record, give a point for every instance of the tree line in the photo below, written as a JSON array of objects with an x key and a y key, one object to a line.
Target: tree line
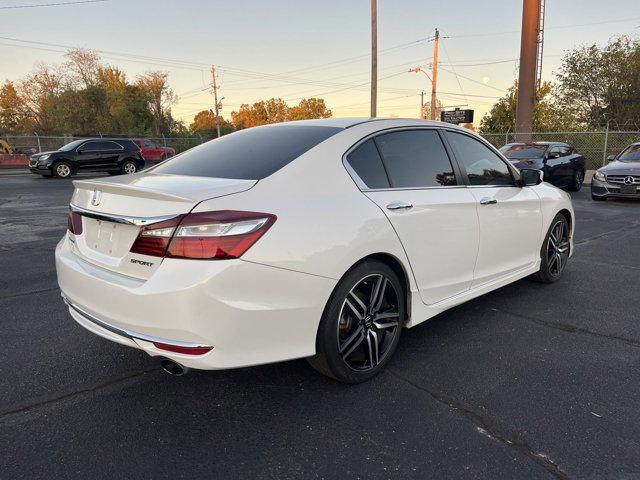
[
  {"x": 595, "y": 85},
  {"x": 82, "y": 97}
]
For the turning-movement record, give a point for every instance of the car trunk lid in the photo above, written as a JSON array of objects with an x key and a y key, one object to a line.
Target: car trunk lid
[{"x": 114, "y": 210}]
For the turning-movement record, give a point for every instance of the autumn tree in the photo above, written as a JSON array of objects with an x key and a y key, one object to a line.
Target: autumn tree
[
  {"x": 309, "y": 108},
  {"x": 547, "y": 116},
  {"x": 600, "y": 84},
  {"x": 260, "y": 113},
  {"x": 12, "y": 116},
  {"x": 426, "y": 109},
  {"x": 84, "y": 66},
  {"x": 160, "y": 97},
  {"x": 204, "y": 123},
  {"x": 276, "y": 110}
]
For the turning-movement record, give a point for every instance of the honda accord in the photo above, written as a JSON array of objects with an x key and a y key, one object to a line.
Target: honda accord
[{"x": 322, "y": 239}]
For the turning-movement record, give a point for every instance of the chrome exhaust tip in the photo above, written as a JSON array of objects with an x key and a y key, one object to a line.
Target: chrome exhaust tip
[{"x": 173, "y": 368}]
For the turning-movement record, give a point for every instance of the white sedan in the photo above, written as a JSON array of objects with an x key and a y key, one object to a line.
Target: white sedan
[{"x": 319, "y": 239}]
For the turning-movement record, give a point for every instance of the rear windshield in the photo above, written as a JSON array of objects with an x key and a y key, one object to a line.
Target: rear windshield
[
  {"x": 250, "y": 154},
  {"x": 523, "y": 151},
  {"x": 631, "y": 154}
]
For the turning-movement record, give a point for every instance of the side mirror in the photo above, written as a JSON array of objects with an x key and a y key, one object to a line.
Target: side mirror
[
  {"x": 530, "y": 177},
  {"x": 611, "y": 158}
]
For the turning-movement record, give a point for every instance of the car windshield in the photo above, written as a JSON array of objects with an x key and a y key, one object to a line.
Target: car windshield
[
  {"x": 523, "y": 151},
  {"x": 251, "y": 154},
  {"x": 71, "y": 146},
  {"x": 631, "y": 154}
]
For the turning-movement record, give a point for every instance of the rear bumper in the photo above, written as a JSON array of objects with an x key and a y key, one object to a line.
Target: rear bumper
[{"x": 250, "y": 313}]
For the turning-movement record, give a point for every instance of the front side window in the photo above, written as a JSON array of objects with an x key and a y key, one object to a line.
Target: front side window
[
  {"x": 71, "y": 146},
  {"x": 416, "y": 158},
  {"x": 366, "y": 162},
  {"x": 483, "y": 165},
  {"x": 565, "y": 151},
  {"x": 251, "y": 154},
  {"x": 89, "y": 147}
]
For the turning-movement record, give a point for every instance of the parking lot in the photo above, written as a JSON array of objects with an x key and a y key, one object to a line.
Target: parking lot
[{"x": 530, "y": 381}]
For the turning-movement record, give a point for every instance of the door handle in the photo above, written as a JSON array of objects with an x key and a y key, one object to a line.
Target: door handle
[
  {"x": 399, "y": 206},
  {"x": 488, "y": 201}
]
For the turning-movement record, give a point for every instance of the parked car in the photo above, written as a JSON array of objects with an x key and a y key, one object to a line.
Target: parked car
[
  {"x": 151, "y": 151},
  {"x": 318, "y": 238},
  {"x": 620, "y": 177},
  {"x": 561, "y": 164},
  {"x": 113, "y": 155}
]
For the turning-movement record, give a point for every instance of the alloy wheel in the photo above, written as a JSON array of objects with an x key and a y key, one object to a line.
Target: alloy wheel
[
  {"x": 558, "y": 248},
  {"x": 129, "y": 168},
  {"x": 368, "y": 322},
  {"x": 63, "y": 170}
]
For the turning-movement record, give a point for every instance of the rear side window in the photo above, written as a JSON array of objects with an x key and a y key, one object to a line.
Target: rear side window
[
  {"x": 483, "y": 165},
  {"x": 416, "y": 158},
  {"x": 250, "y": 154},
  {"x": 366, "y": 162}
]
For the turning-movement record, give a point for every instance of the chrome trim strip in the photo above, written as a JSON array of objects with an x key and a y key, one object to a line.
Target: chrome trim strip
[
  {"x": 123, "y": 332},
  {"x": 400, "y": 189},
  {"x": 127, "y": 220}
]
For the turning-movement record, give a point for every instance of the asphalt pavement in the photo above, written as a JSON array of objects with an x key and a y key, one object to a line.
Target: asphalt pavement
[{"x": 530, "y": 381}]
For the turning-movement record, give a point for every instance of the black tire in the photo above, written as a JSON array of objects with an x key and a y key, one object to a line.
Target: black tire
[
  {"x": 128, "y": 167},
  {"x": 164, "y": 157},
  {"x": 348, "y": 328},
  {"x": 598, "y": 199},
  {"x": 577, "y": 181},
  {"x": 554, "y": 253},
  {"x": 62, "y": 169}
]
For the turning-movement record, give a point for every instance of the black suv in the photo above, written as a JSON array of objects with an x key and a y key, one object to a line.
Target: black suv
[{"x": 113, "y": 155}]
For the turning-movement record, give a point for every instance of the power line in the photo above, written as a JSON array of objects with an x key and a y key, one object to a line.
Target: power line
[
  {"x": 57, "y": 4},
  {"x": 575, "y": 25},
  {"x": 453, "y": 69},
  {"x": 476, "y": 81}
]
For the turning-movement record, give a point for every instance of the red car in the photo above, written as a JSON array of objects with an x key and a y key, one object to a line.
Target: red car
[{"x": 153, "y": 152}]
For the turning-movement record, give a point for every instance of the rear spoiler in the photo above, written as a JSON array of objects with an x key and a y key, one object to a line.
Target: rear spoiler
[{"x": 130, "y": 190}]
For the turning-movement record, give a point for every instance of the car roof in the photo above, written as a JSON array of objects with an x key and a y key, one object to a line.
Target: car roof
[{"x": 353, "y": 121}]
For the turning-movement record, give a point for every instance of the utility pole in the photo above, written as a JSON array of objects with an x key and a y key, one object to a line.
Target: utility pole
[
  {"x": 527, "y": 74},
  {"x": 374, "y": 57},
  {"x": 215, "y": 98},
  {"x": 421, "y": 104},
  {"x": 434, "y": 75}
]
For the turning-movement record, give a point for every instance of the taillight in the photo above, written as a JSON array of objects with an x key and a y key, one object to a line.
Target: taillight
[
  {"x": 154, "y": 239},
  {"x": 207, "y": 236},
  {"x": 74, "y": 223}
]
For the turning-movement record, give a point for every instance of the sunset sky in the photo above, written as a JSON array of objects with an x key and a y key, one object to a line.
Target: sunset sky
[{"x": 297, "y": 49}]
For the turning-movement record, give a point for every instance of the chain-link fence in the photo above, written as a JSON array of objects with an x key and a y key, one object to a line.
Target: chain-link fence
[
  {"x": 594, "y": 146},
  {"x": 30, "y": 144}
]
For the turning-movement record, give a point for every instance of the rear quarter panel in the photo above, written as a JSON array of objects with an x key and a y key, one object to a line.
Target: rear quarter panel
[{"x": 325, "y": 223}]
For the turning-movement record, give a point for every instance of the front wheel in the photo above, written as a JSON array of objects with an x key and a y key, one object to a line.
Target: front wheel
[
  {"x": 598, "y": 199},
  {"x": 555, "y": 251},
  {"x": 361, "y": 324},
  {"x": 576, "y": 181},
  {"x": 62, "y": 170}
]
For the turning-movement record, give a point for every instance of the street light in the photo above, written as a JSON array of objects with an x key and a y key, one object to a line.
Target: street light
[{"x": 416, "y": 70}]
